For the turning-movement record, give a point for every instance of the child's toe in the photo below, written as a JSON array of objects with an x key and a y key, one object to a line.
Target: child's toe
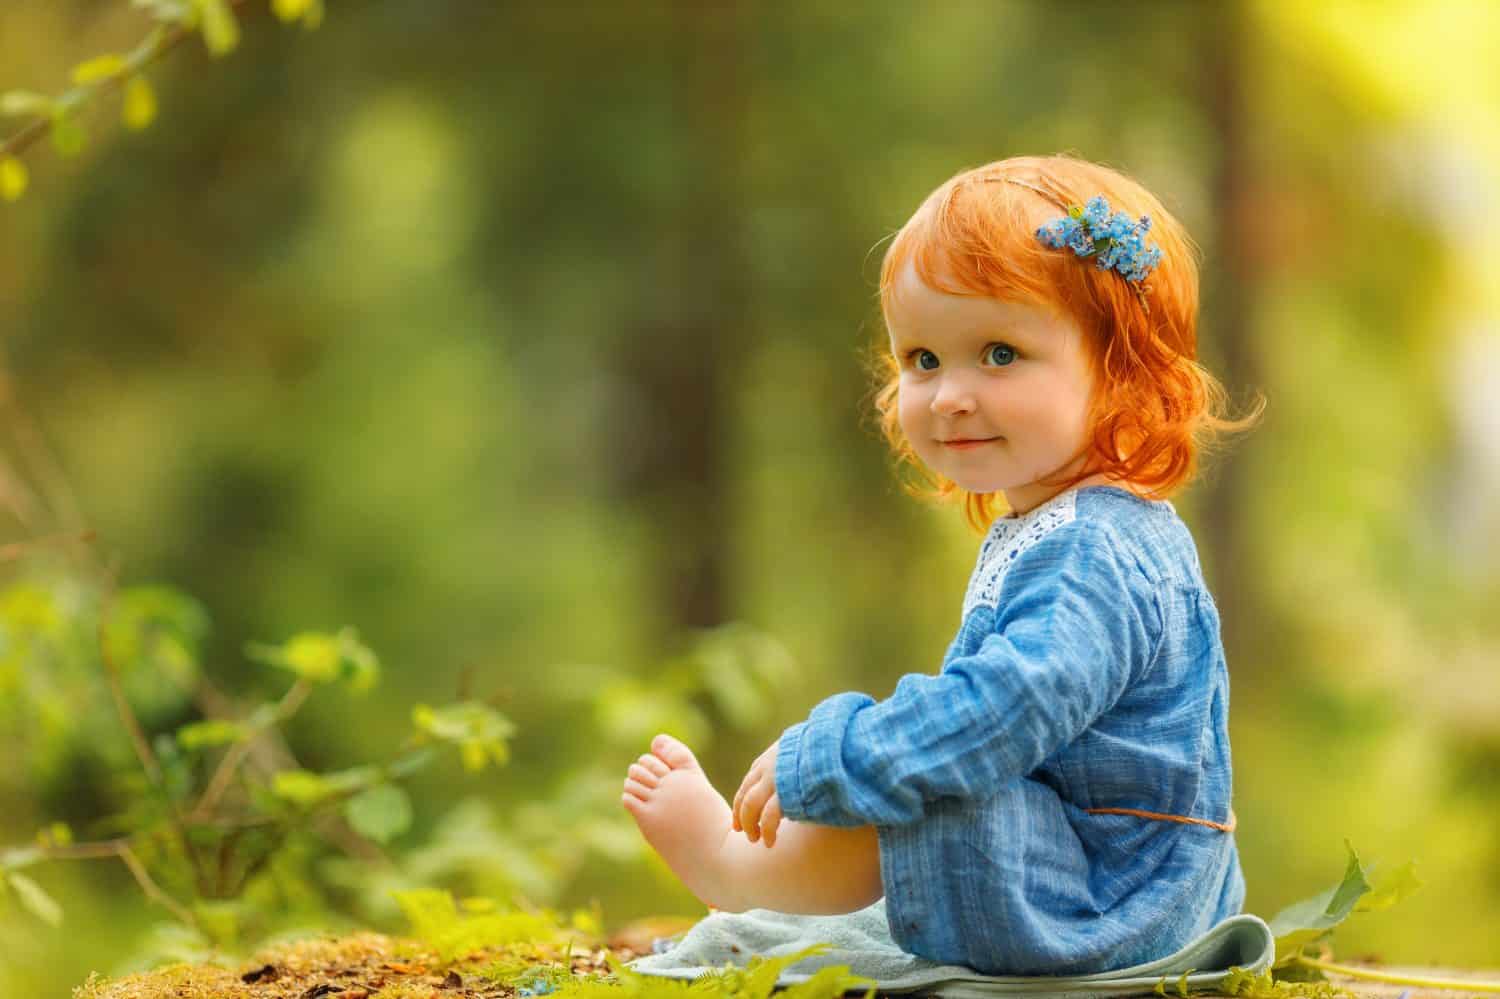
[
  {"x": 674, "y": 753},
  {"x": 654, "y": 764},
  {"x": 641, "y": 775},
  {"x": 637, "y": 790}
]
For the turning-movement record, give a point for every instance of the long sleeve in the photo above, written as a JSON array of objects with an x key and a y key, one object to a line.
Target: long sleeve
[{"x": 1076, "y": 623}]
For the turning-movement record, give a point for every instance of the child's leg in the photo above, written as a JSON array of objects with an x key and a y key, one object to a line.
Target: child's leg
[{"x": 812, "y": 869}]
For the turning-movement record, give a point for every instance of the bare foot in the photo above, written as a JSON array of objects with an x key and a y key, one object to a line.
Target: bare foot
[{"x": 683, "y": 818}]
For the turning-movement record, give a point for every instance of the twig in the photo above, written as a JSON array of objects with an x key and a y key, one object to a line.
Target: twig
[
  {"x": 291, "y": 701},
  {"x": 107, "y": 848},
  {"x": 19, "y": 549},
  {"x": 40, "y": 457},
  {"x": 1384, "y": 976},
  {"x": 160, "y": 41},
  {"x": 132, "y": 725},
  {"x": 112, "y": 671}
]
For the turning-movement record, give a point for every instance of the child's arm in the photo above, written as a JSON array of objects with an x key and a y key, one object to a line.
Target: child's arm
[{"x": 1076, "y": 624}]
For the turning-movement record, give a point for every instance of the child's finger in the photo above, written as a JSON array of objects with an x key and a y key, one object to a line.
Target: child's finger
[
  {"x": 752, "y": 808},
  {"x": 770, "y": 820},
  {"x": 751, "y": 778}
]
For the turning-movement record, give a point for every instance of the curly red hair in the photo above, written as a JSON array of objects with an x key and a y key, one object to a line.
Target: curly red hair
[{"x": 1154, "y": 408}]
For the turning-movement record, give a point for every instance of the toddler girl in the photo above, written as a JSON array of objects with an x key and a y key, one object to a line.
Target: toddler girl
[{"x": 1056, "y": 800}]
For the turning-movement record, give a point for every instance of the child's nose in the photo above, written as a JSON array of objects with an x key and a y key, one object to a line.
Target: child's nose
[{"x": 953, "y": 396}]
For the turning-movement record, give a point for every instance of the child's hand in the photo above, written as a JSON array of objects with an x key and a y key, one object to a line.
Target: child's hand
[{"x": 757, "y": 809}]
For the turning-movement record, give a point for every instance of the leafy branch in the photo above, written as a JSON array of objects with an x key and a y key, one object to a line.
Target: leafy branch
[
  {"x": 57, "y": 115},
  {"x": 1310, "y": 923},
  {"x": 132, "y": 630}
]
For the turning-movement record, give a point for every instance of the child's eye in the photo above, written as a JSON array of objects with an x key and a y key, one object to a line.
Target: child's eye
[
  {"x": 924, "y": 359},
  {"x": 999, "y": 354}
]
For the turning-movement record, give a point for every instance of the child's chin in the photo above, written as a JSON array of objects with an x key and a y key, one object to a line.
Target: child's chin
[{"x": 983, "y": 483}]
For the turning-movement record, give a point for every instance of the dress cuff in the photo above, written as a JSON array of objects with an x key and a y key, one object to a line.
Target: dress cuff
[{"x": 789, "y": 772}]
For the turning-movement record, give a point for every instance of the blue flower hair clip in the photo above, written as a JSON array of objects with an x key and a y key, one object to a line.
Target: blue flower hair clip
[{"x": 1115, "y": 240}]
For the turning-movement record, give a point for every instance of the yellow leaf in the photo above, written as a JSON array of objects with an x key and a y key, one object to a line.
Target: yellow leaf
[
  {"x": 140, "y": 104},
  {"x": 309, "y": 12},
  {"x": 13, "y": 178},
  {"x": 290, "y": 10},
  {"x": 221, "y": 30},
  {"x": 96, "y": 69},
  {"x": 315, "y": 657}
]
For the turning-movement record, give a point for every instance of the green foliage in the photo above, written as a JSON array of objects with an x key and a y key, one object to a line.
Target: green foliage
[
  {"x": 206, "y": 833},
  {"x": 155, "y": 634},
  {"x": 435, "y": 920},
  {"x": 213, "y": 732},
  {"x": 736, "y": 669},
  {"x": 1312, "y": 919},
  {"x": 55, "y": 707},
  {"x": 214, "y": 20},
  {"x": 1303, "y": 923},
  {"x": 478, "y": 730},
  {"x": 381, "y": 813},
  {"x": 1240, "y": 982},
  {"x": 323, "y": 658},
  {"x": 756, "y": 980}
]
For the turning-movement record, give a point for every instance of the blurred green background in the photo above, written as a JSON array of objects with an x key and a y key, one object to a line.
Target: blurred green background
[{"x": 527, "y": 340}]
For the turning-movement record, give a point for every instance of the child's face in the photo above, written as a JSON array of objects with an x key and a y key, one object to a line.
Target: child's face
[{"x": 994, "y": 395}]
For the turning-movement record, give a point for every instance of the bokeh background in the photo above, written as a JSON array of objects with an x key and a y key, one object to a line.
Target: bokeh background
[{"x": 528, "y": 340}]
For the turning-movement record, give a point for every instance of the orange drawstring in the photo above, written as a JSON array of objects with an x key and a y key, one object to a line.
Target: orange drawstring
[{"x": 1221, "y": 826}]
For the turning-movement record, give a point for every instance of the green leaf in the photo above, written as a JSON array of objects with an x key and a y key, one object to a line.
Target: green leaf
[
  {"x": 312, "y": 657},
  {"x": 480, "y": 732},
  {"x": 1390, "y": 887},
  {"x": 322, "y": 658},
  {"x": 1303, "y": 922},
  {"x": 33, "y": 898},
  {"x": 213, "y": 732},
  {"x": 98, "y": 69},
  {"x": 301, "y": 787},
  {"x": 25, "y": 102},
  {"x": 13, "y": 178},
  {"x": 307, "y": 789},
  {"x": 382, "y": 812},
  {"x": 55, "y": 834}
]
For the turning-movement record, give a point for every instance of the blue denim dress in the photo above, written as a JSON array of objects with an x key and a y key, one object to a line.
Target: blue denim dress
[{"x": 1087, "y": 673}]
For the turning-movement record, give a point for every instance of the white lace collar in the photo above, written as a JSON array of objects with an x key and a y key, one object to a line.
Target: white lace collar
[{"x": 1008, "y": 537}]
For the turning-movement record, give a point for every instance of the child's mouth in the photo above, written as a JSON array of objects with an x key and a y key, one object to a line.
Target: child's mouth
[{"x": 964, "y": 444}]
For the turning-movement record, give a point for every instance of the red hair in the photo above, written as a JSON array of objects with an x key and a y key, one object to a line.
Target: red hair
[{"x": 1154, "y": 407}]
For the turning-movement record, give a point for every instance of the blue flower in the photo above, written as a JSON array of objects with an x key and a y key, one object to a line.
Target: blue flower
[
  {"x": 1057, "y": 232},
  {"x": 1115, "y": 240}
]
